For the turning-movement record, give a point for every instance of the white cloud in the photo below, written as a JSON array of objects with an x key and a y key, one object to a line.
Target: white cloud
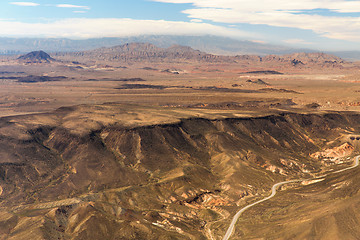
[
  {"x": 32, "y": 4},
  {"x": 72, "y": 6},
  {"x": 346, "y": 28},
  {"x": 296, "y": 41},
  {"x": 281, "y": 13},
  {"x": 196, "y": 20},
  {"x": 274, "y": 5},
  {"x": 105, "y": 27},
  {"x": 25, "y": 4},
  {"x": 259, "y": 41}
]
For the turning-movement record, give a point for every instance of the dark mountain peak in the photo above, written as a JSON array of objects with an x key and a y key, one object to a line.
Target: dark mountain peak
[{"x": 36, "y": 57}]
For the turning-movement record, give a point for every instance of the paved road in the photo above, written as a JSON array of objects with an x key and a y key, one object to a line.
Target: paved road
[{"x": 273, "y": 192}]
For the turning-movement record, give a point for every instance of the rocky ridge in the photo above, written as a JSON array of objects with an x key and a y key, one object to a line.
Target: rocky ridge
[
  {"x": 147, "y": 181},
  {"x": 146, "y": 52}
]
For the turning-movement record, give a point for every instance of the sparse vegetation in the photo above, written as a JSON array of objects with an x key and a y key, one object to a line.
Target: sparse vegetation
[{"x": 93, "y": 152}]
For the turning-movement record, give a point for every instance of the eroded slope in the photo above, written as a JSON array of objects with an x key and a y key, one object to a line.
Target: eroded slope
[{"x": 79, "y": 173}]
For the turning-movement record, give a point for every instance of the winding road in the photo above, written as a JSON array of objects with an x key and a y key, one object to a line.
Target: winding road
[{"x": 273, "y": 193}]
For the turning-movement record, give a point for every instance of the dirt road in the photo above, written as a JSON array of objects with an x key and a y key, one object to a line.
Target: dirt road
[{"x": 273, "y": 193}]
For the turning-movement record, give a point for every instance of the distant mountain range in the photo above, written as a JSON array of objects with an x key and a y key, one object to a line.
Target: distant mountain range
[
  {"x": 149, "y": 53},
  {"x": 209, "y": 44}
]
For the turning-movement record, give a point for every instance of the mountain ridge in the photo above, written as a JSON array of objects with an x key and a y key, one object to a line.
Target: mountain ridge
[
  {"x": 211, "y": 44},
  {"x": 147, "y": 52}
]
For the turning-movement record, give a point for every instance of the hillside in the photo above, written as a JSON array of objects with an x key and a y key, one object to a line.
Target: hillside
[
  {"x": 146, "y": 52},
  {"x": 99, "y": 172},
  {"x": 302, "y": 59},
  {"x": 143, "y": 52},
  {"x": 36, "y": 57}
]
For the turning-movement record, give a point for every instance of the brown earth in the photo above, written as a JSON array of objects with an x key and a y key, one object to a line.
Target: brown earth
[{"x": 168, "y": 144}]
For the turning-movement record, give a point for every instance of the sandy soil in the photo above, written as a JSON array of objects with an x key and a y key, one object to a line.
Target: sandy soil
[{"x": 335, "y": 89}]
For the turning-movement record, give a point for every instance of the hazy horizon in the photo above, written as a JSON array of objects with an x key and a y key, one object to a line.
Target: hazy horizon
[{"x": 314, "y": 24}]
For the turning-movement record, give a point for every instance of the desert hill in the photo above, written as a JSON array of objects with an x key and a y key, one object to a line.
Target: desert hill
[
  {"x": 304, "y": 58},
  {"x": 146, "y": 52},
  {"x": 99, "y": 171},
  {"x": 140, "y": 52},
  {"x": 36, "y": 57}
]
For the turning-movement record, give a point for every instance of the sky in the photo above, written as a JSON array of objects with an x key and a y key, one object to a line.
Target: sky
[{"x": 316, "y": 24}]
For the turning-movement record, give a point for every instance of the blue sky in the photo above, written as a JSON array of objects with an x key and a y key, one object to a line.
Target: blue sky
[{"x": 318, "y": 24}]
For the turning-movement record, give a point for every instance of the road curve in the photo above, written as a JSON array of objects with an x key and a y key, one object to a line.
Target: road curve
[{"x": 273, "y": 193}]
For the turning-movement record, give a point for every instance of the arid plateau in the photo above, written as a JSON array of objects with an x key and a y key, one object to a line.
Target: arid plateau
[{"x": 141, "y": 142}]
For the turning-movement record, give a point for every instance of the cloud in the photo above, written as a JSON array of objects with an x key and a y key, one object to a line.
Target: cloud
[
  {"x": 280, "y": 13},
  {"x": 25, "y": 4},
  {"x": 296, "y": 41},
  {"x": 196, "y": 20},
  {"x": 32, "y": 4},
  {"x": 343, "y": 6},
  {"x": 258, "y": 41},
  {"x": 72, "y": 6},
  {"x": 345, "y": 28},
  {"x": 113, "y": 27}
]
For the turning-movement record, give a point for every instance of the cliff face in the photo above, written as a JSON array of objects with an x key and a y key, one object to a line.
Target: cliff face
[
  {"x": 165, "y": 180},
  {"x": 336, "y": 152}
]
